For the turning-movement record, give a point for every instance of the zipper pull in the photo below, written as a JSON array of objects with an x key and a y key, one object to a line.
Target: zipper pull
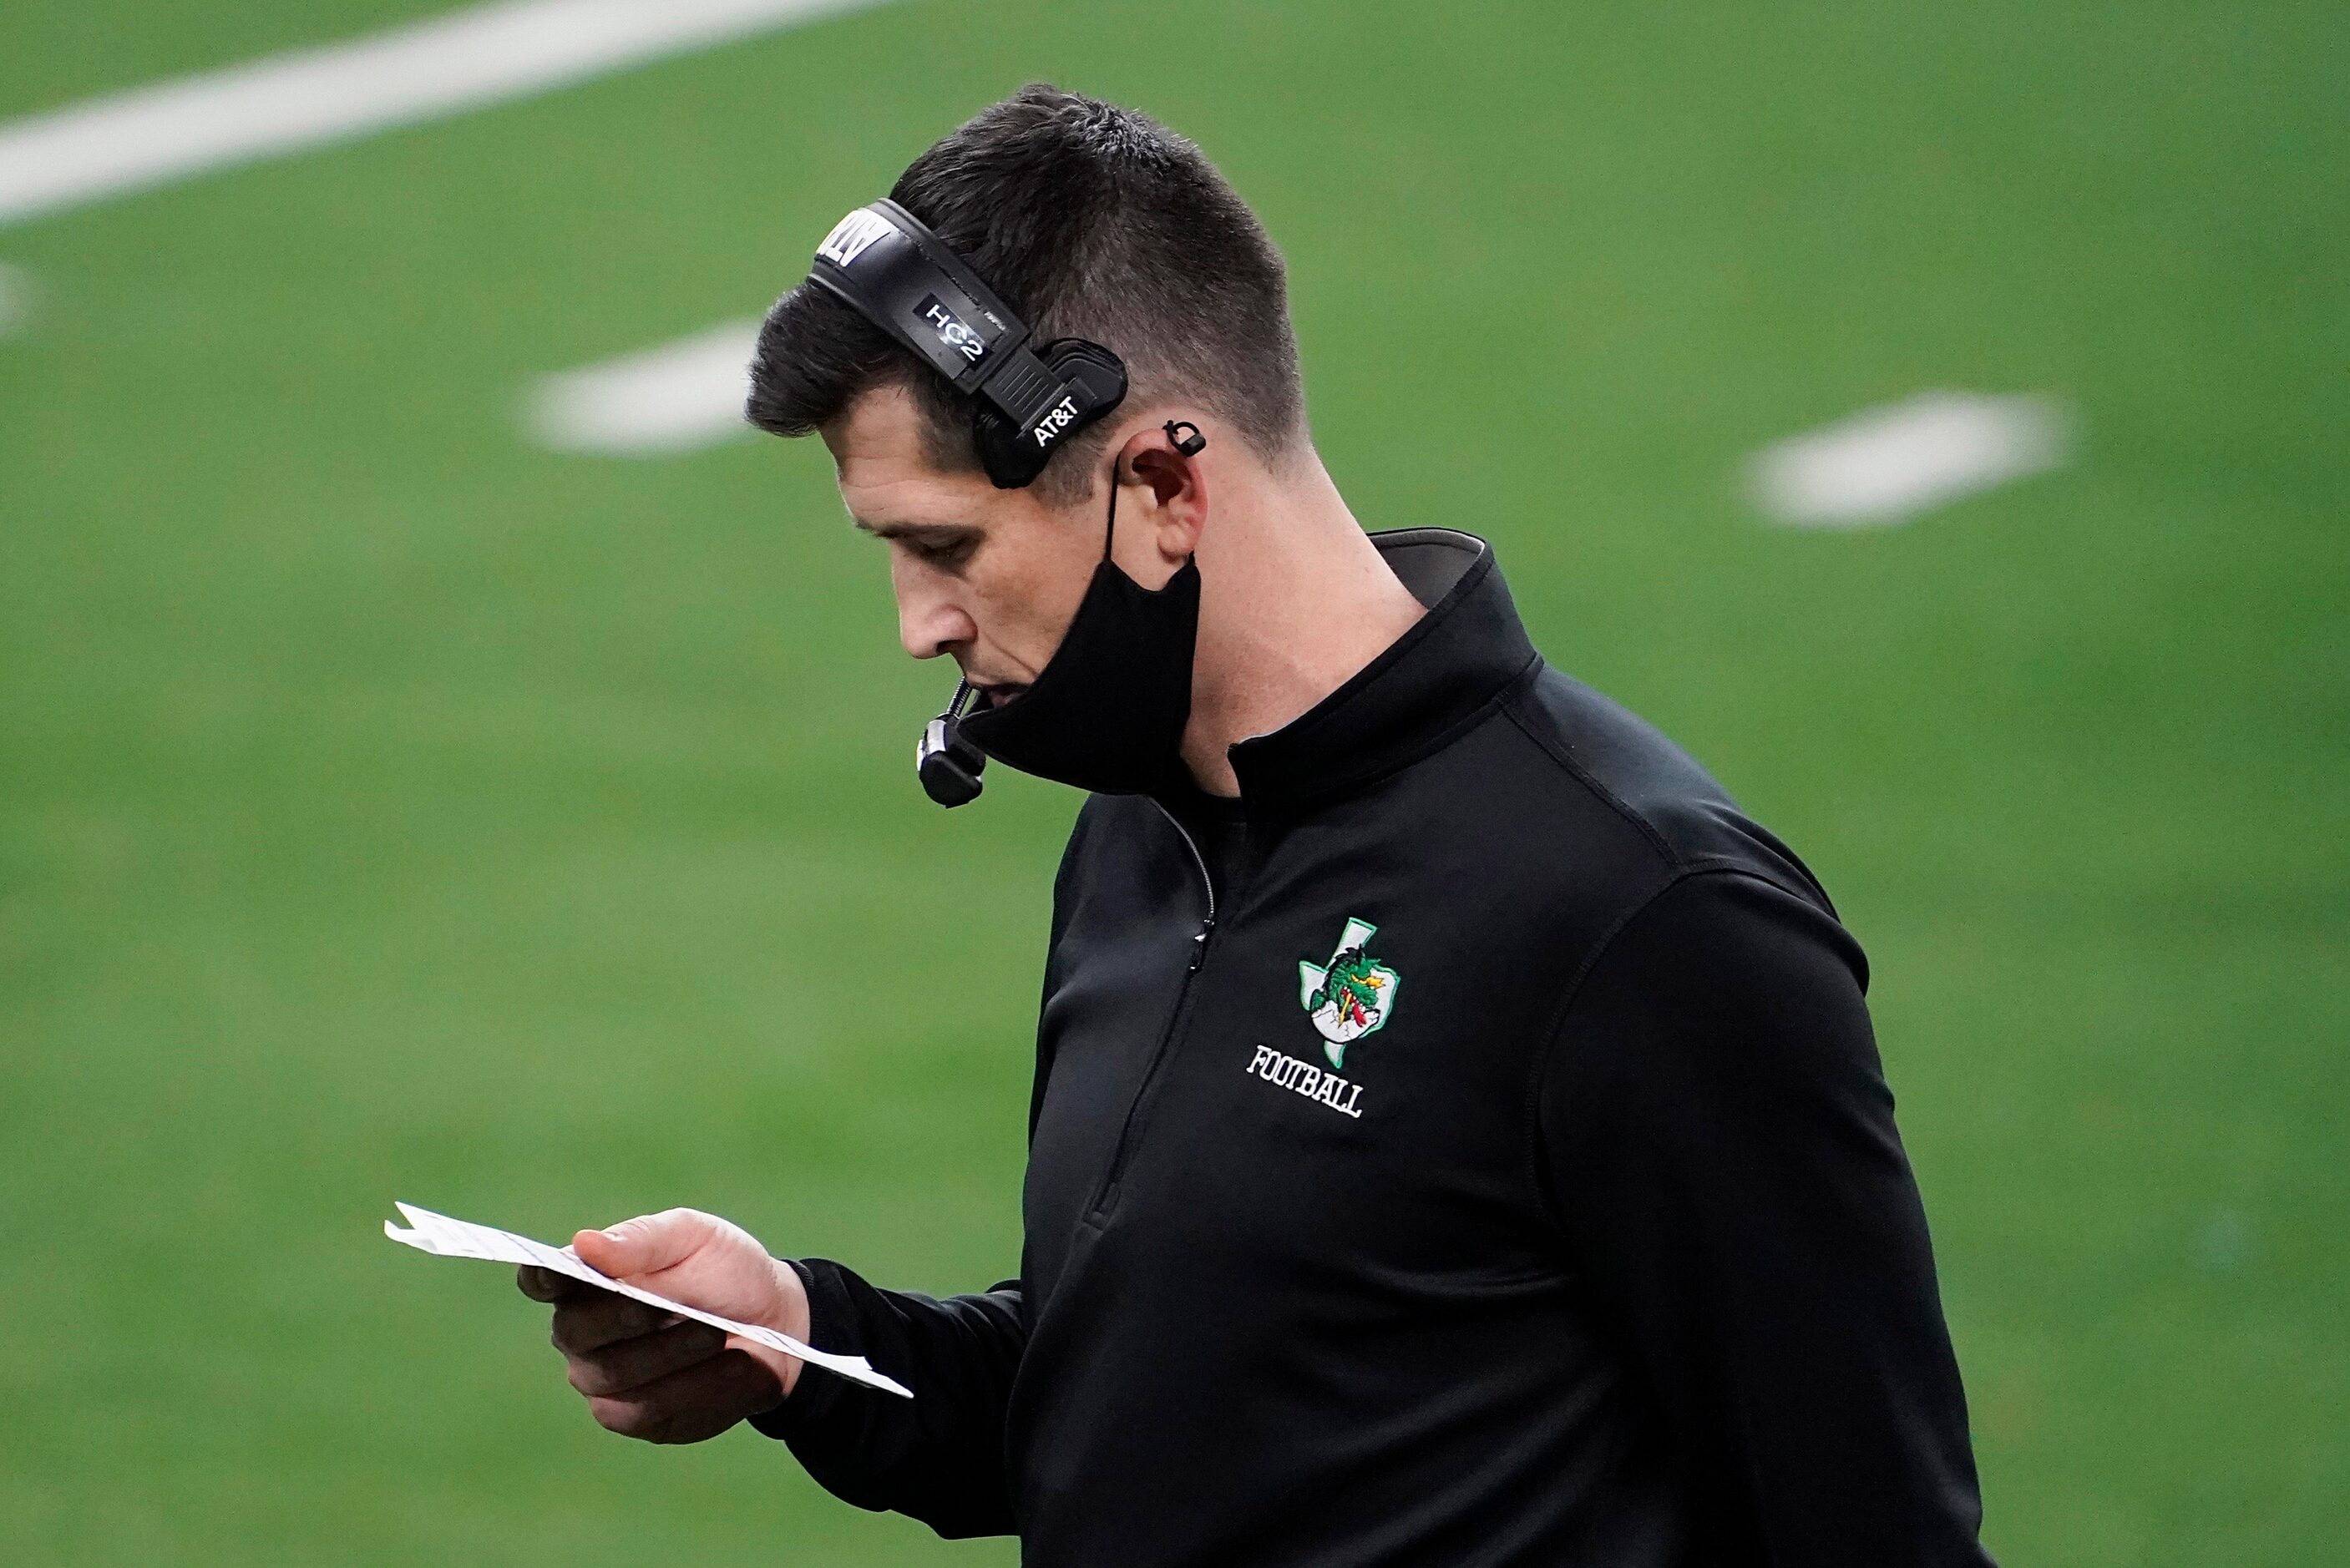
[{"x": 1200, "y": 944}]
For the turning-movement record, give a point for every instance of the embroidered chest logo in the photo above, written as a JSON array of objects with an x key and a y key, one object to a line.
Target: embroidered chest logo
[{"x": 1350, "y": 996}]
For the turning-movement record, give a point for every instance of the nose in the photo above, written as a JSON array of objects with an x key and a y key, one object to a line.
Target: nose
[{"x": 930, "y": 621}]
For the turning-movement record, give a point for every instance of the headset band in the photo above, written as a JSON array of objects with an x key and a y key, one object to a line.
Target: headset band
[{"x": 888, "y": 266}]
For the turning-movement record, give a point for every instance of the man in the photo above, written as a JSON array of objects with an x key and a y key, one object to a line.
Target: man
[{"x": 1456, "y": 1136}]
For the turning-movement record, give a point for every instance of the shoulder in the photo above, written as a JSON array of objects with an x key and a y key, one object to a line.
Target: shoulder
[
  {"x": 1727, "y": 939},
  {"x": 1623, "y": 766},
  {"x": 1725, "y": 1004}
]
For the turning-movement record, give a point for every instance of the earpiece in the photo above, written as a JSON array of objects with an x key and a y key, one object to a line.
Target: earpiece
[
  {"x": 1093, "y": 381},
  {"x": 1188, "y": 445}
]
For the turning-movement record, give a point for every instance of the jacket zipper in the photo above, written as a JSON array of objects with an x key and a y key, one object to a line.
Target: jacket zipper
[{"x": 1107, "y": 1197}]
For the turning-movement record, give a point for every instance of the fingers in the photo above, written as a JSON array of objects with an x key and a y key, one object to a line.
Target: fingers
[
  {"x": 686, "y": 1406},
  {"x": 644, "y": 1373},
  {"x": 646, "y": 1244},
  {"x": 627, "y": 1364},
  {"x": 594, "y": 1319},
  {"x": 546, "y": 1285}
]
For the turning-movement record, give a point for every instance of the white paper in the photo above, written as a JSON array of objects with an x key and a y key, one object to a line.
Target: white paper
[{"x": 447, "y": 1237}]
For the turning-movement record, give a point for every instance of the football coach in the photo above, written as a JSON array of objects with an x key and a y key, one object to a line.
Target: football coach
[{"x": 1457, "y": 1135}]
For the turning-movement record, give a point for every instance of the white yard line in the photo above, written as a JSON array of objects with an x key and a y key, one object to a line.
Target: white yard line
[
  {"x": 307, "y": 97},
  {"x": 1885, "y": 465},
  {"x": 679, "y": 397}
]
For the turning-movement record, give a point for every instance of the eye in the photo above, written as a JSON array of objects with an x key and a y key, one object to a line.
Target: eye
[{"x": 952, "y": 555}]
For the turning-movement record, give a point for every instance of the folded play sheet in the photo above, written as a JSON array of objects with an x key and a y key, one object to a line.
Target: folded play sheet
[{"x": 447, "y": 1237}]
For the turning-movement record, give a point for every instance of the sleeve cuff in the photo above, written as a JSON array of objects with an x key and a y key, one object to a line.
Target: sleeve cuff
[{"x": 815, "y": 1392}]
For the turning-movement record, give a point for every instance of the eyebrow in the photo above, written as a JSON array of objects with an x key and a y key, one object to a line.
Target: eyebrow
[{"x": 918, "y": 532}]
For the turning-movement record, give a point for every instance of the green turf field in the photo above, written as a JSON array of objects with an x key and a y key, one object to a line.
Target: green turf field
[{"x": 389, "y": 809}]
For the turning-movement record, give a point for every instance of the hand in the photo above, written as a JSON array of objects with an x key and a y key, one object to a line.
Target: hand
[{"x": 649, "y": 1374}]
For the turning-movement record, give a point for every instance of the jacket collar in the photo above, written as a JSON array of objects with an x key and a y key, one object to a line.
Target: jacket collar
[{"x": 1428, "y": 684}]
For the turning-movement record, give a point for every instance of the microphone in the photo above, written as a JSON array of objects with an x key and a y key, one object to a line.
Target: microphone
[{"x": 949, "y": 765}]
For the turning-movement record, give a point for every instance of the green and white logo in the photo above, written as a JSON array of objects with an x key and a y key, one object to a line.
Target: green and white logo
[{"x": 1351, "y": 995}]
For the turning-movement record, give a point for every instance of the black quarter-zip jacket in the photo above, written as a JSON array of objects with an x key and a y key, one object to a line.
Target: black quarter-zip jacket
[{"x": 1470, "y": 1149}]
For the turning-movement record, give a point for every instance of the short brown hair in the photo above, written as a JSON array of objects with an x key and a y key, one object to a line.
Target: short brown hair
[{"x": 1091, "y": 220}]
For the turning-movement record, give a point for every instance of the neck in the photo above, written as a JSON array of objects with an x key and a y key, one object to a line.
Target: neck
[{"x": 1294, "y": 600}]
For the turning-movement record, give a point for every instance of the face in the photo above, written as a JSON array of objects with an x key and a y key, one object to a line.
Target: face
[{"x": 990, "y": 578}]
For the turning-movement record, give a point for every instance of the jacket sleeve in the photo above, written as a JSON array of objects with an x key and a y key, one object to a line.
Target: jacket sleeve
[
  {"x": 938, "y": 1457},
  {"x": 1718, "y": 1141}
]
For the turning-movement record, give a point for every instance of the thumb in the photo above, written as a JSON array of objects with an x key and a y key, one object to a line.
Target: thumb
[{"x": 646, "y": 1244}]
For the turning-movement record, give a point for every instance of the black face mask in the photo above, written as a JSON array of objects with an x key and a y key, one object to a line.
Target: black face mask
[{"x": 1106, "y": 713}]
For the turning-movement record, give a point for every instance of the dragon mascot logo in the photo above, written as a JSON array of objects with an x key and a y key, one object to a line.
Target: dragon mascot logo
[{"x": 1350, "y": 996}]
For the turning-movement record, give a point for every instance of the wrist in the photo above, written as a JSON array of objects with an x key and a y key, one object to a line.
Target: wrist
[
  {"x": 832, "y": 1324},
  {"x": 787, "y": 1313}
]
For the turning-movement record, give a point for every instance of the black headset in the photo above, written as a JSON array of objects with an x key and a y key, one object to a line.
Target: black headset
[{"x": 1026, "y": 399}]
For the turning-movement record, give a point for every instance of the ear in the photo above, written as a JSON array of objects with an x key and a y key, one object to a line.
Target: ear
[{"x": 1163, "y": 499}]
